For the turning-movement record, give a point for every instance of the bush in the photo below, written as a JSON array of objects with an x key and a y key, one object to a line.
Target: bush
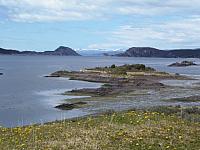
[
  {"x": 113, "y": 66},
  {"x": 140, "y": 67},
  {"x": 124, "y": 69},
  {"x": 107, "y": 85}
]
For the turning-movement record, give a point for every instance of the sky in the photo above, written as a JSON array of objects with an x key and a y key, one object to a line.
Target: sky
[{"x": 99, "y": 24}]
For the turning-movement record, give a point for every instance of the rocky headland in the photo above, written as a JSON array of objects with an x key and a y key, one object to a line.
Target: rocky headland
[
  {"x": 154, "y": 52},
  {"x": 117, "y": 80}
]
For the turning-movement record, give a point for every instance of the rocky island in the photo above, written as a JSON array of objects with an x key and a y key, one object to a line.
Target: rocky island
[
  {"x": 183, "y": 64},
  {"x": 117, "y": 80}
]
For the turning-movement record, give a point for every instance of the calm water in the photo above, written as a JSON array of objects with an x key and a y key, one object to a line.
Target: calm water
[{"x": 27, "y": 97}]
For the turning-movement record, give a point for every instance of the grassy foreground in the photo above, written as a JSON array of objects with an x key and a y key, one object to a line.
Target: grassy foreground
[{"x": 124, "y": 130}]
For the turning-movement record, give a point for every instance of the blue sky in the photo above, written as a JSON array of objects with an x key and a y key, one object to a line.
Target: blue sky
[{"x": 99, "y": 24}]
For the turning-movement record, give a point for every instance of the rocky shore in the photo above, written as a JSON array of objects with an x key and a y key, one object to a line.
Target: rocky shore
[
  {"x": 187, "y": 99},
  {"x": 118, "y": 80}
]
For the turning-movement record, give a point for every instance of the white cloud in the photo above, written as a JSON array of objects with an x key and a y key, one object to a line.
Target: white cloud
[
  {"x": 163, "y": 30},
  {"x": 52, "y": 10},
  {"x": 174, "y": 34},
  {"x": 158, "y": 7},
  {"x": 62, "y": 10}
]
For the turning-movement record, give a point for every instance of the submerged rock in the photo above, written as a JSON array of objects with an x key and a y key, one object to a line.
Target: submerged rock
[{"x": 71, "y": 106}]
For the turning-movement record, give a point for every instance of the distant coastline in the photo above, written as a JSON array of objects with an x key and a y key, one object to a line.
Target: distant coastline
[
  {"x": 60, "y": 51},
  {"x": 131, "y": 52},
  {"x": 153, "y": 52}
]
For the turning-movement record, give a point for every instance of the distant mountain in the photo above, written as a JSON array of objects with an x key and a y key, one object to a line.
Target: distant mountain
[
  {"x": 99, "y": 52},
  {"x": 153, "y": 52},
  {"x": 112, "y": 53},
  {"x": 8, "y": 51},
  {"x": 131, "y": 52},
  {"x": 60, "y": 51}
]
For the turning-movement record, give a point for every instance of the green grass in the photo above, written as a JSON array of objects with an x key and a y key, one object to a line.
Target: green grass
[
  {"x": 124, "y": 130},
  {"x": 122, "y": 70}
]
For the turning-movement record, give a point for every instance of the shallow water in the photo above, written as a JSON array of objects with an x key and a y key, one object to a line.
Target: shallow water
[{"x": 27, "y": 97}]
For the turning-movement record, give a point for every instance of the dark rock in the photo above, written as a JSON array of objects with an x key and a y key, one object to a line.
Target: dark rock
[
  {"x": 71, "y": 106},
  {"x": 52, "y": 76}
]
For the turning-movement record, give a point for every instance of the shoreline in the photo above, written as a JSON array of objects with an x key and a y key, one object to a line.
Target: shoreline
[
  {"x": 161, "y": 127},
  {"x": 152, "y": 127},
  {"x": 120, "y": 83},
  {"x": 100, "y": 98}
]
